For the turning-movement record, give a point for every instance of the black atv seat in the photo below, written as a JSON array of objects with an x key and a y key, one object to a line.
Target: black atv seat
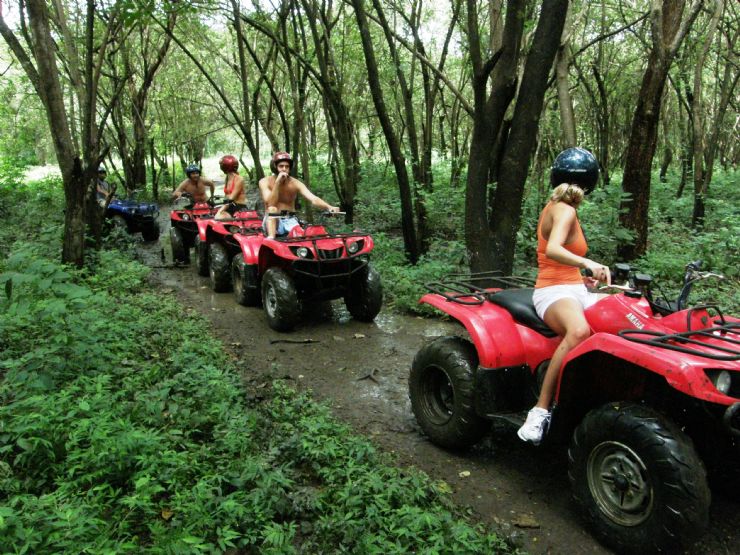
[{"x": 518, "y": 302}]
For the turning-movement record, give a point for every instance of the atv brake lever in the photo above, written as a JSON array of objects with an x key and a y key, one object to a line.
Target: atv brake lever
[{"x": 614, "y": 286}]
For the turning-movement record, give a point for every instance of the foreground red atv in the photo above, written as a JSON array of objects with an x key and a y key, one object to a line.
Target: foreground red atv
[
  {"x": 310, "y": 264},
  {"x": 649, "y": 399},
  {"x": 184, "y": 229}
]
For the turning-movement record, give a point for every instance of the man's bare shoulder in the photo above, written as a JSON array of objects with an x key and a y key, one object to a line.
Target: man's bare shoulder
[{"x": 297, "y": 182}]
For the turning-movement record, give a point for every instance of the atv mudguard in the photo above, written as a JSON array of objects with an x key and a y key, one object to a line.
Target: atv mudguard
[
  {"x": 682, "y": 371},
  {"x": 203, "y": 226},
  {"x": 499, "y": 340},
  {"x": 250, "y": 247}
]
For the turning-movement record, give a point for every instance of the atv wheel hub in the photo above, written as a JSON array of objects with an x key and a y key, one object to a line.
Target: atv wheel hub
[
  {"x": 438, "y": 397},
  {"x": 271, "y": 301},
  {"x": 619, "y": 483}
]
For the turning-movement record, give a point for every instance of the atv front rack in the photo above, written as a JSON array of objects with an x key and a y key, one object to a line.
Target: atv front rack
[
  {"x": 474, "y": 289},
  {"x": 724, "y": 345},
  {"x": 314, "y": 238}
]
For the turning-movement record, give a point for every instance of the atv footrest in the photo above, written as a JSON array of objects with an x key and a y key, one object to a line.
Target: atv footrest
[{"x": 515, "y": 419}]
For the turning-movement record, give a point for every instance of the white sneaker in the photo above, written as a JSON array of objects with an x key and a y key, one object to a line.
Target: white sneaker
[{"x": 535, "y": 427}]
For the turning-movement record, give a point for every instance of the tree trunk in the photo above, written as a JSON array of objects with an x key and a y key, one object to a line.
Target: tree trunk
[
  {"x": 507, "y": 203},
  {"x": 399, "y": 162},
  {"x": 668, "y": 33},
  {"x": 565, "y": 102},
  {"x": 488, "y": 120},
  {"x": 700, "y": 175}
]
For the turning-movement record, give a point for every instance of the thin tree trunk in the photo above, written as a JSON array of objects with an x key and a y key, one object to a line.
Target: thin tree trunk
[
  {"x": 700, "y": 181},
  {"x": 668, "y": 33},
  {"x": 507, "y": 204},
  {"x": 399, "y": 162}
]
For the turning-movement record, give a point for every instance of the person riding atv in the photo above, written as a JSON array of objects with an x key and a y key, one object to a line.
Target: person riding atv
[
  {"x": 650, "y": 399},
  {"x": 279, "y": 192},
  {"x": 195, "y": 185}
]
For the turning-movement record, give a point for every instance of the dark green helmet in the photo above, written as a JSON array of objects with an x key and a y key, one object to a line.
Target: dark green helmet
[{"x": 576, "y": 166}]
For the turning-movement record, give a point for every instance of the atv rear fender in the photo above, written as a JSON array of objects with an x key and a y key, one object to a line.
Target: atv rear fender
[{"x": 498, "y": 339}]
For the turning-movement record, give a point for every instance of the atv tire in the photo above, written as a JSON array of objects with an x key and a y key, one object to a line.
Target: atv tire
[
  {"x": 219, "y": 267},
  {"x": 280, "y": 299},
  {"x": 441, "y": 392},
  {"x": 201, "y": 256},
  {"x": 364, "y": 298},
  {"x": 246, "y": 284},
  {"x": 638, "y": 480},
  {"x": 151, "y": 233},
  {"x": 180, "y": 253}
]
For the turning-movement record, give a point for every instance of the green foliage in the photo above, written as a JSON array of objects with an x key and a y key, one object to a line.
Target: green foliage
[
  {"x": 673, "y": 243},
  {"x": 124, "y": 428}
]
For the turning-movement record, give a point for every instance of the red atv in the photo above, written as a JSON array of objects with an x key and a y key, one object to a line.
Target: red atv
[
  {"x": 184, "y": 229},
  {"x": 217, "y": 243},
  {"x": 648, "y": 399},
  {"x": 309, "y": 264}
]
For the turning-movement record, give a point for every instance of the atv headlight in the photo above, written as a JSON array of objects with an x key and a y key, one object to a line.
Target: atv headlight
[
  {"x": 721, "y": 379},
  {"x": 354, "y": 247},
  {"x": 302, "y": 252},
  {"x": 186, "y": 217}
]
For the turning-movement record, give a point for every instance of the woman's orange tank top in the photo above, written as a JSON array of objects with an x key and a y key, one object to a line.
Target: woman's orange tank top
[{"x": 552, "y": 272}]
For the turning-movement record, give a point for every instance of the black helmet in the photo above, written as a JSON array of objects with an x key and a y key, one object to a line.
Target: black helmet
[
  {"x": 576, "y": 166},
  {"x": 191, "y": 168}
]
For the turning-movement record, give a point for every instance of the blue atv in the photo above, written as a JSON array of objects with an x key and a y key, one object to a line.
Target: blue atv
[{"x": 134, "y": 216}]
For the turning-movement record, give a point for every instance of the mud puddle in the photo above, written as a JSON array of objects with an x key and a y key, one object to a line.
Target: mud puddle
[{"x": 361, "y": 370}]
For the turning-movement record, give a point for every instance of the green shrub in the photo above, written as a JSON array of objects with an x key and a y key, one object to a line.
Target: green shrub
[{"x": 125, "y": 428}]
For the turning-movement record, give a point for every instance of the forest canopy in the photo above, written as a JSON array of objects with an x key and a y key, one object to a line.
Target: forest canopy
[{"x": 470, "y": 97}]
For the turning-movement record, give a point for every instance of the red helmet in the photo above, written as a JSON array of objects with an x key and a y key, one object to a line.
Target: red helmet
[
  {"x": 228, "y": 164},
  {"x": 280, "y": 157}
]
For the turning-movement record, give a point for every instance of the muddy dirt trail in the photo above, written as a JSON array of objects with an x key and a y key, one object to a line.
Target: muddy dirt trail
[{"x": 360, "y": 370}]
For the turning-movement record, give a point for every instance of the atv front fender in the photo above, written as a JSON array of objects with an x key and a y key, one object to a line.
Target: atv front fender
[
  {"x": 250, "y": 245},
  {"x": 499, "y": 340},
  {"x": 203, "y": 229},
  {"x": 682, "y": 371}
]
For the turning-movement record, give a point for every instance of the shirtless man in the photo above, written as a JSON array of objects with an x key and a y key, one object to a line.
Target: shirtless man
[
  {"x": 102, "y": 187},
  {"x": 233, "y": 188},
  {"x": 279, "y": 192},
  {"x": 194, "y": 185}
]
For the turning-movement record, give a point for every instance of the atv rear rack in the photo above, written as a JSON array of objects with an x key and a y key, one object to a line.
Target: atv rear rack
[
  {"x": 725, "y": 343},
  {"x": 474, "y": 289}
]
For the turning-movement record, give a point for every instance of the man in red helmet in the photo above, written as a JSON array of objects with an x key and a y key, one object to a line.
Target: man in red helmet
[
  {"x": 279, "y": 192},
  {"x": 233, "y": 188}
]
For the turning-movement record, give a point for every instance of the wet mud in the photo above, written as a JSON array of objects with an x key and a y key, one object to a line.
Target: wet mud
[{"x": 360, "y": 370}]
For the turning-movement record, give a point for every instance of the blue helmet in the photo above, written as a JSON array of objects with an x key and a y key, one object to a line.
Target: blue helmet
[
  {"x": 576, "y": 166},
  {"x": 191, "y": 168}
]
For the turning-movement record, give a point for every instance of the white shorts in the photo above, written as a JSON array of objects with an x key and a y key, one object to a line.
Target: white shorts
[{"x": 543, "y": 297}]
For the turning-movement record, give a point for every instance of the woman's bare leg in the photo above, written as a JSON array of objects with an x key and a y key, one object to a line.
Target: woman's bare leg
[{"x": 565, "y": 317}]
